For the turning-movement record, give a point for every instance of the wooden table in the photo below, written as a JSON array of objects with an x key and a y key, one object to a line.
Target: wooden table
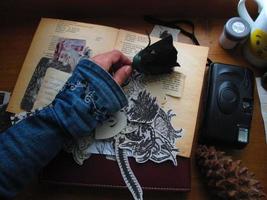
[{"x": 15, "y": 39}]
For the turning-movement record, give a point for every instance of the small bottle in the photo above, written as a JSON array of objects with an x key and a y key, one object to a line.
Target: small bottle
[{"x": 235, "y": 31}]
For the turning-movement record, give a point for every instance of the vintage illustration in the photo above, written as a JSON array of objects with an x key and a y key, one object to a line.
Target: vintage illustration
[
  {"x": 66, "y": 55},
  {"x": 148, "y": 134}
]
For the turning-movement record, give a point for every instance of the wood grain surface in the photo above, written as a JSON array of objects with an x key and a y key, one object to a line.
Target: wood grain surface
[
  {"x": 15, "y": 39},
  {"x": 101, "y": 8}
]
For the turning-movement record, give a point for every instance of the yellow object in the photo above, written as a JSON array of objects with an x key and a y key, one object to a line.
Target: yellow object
[{"x": 258, "y": 43}]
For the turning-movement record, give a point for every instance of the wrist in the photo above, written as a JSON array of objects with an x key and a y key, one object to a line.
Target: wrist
[
  {"x": 104, "y": 84},
  {"x": 87, "y": 98}
]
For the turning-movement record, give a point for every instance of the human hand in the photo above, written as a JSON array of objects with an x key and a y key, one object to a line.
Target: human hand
[{"x": 116, "y": 63}]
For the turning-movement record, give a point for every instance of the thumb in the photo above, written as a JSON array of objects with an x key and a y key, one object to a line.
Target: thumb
[{"x": 122, "y": 74}]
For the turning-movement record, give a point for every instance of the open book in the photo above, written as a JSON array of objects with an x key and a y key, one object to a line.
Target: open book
[{"x": 58, "y": 45}]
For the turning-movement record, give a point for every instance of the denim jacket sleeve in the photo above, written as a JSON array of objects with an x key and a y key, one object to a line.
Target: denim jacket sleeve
[{"x": 85, "y": 100}]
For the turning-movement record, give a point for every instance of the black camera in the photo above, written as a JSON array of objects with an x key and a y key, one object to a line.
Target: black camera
[{"x": 229, "y": 106}]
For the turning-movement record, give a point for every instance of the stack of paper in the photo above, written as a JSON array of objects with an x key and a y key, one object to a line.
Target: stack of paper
[{"x": 263, "y": 101}]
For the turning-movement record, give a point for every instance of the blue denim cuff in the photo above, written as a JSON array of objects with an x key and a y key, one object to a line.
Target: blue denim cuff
[
  {"x": 87, "y": 98},
  {"x": 113, "y": 96}
]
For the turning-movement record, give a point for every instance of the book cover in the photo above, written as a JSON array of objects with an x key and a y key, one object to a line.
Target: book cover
[{"x": 100, "y": 172}]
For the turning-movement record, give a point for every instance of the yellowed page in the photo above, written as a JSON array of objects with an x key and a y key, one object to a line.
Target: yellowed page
[
  {"x": 53, "y": 82},
  {"x": 193, "y": 61},
  {"x": 168, "y": 84},
  {"x": 98, "y": 38}
]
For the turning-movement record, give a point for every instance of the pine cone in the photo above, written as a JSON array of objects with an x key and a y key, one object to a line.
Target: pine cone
[{"x": 226, "y": 178}]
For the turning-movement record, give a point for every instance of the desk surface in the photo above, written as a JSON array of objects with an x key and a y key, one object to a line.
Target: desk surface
[{"x": 15, "y": 40}]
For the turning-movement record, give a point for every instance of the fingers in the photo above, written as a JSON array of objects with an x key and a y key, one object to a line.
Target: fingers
[
  {"x": 116, "y": 57},
  {"x": 111, "y": 59},
  {"x": 115, "y": 62},
  {"x": 101, "y": 61},
  {"x": 122, "y": 74}
]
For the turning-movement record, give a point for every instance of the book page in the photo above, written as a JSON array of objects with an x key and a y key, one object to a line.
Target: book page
[
  {"x": 48, "y": 49},
  {"x": 263, "y": 103},
  {"x": 168, "y": 84},
  {"x": 163, "y": 31},
  {"x": 130, "y": 44},
  {"x": 193, "y": 61},
  {"x": 173, "y": 85},
  {"x": 53, "y": 82}
]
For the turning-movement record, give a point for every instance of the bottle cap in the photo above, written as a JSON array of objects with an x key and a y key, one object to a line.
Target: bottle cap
[{"x": 237, "y": 29}]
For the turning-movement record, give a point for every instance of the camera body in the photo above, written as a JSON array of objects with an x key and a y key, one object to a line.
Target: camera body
[{"x": 229, "y": 105}]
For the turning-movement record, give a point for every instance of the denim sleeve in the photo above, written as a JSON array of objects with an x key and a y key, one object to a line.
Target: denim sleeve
[{"x": 87, "y": 98}]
